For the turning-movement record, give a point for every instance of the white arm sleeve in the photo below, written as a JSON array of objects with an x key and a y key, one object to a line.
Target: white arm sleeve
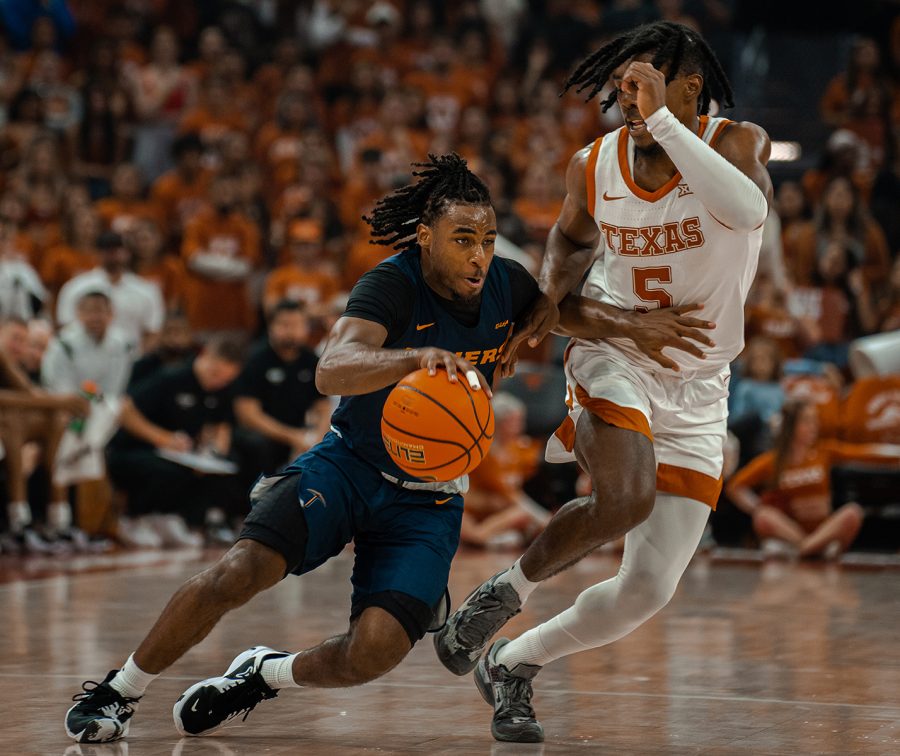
[{"x": 728, "y": 194}]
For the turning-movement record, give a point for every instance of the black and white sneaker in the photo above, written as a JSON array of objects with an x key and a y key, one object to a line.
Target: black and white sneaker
[
  {"x": 209, "y": 704},
  {"x": 467, "y": 632},
  {"x": 509, "y": 692},
  {"x": 101, "y": 715}
]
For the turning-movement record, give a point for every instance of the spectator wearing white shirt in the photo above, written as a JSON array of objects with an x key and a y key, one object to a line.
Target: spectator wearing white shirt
[
  {"x": 89, "y": 349},
  {"x": 137, "y": 303},
  {"x": 22, "y": 294}
]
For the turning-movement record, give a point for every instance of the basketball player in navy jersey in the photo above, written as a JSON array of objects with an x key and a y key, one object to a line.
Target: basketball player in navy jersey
[{"x": 443, "y": 294}]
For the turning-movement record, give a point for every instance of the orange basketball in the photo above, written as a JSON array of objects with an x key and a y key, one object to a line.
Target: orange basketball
[{"x": 434, "y": 429}]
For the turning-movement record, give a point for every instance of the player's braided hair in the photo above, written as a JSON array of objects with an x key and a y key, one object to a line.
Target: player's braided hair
[
  {"x": 442, "y": 180},
  {"x": 675, "y": 45}
]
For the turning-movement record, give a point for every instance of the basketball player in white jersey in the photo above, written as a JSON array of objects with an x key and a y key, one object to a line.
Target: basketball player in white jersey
[{"x": 667, "y": 211}]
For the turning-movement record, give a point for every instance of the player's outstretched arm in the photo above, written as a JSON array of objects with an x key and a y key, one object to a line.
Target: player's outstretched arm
[
  {"x": 356, "y": 362},
  {"x": 731, "y": 180},
  {"x": 585, "y": 318}
]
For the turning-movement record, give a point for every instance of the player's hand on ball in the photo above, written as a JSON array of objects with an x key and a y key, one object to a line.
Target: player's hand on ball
[
  {"x": 648, "y": 84},
  {"x": 432, "y": 358},
  {"x": 540, "y": 320},
  {"x": 671, "y": 327}
]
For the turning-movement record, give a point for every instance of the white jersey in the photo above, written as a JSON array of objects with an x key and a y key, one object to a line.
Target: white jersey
[{"x": 664, "y": 248}]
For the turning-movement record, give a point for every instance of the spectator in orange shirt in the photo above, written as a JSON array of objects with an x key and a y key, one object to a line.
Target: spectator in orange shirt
[
  {"x": 77, "y": 255},
  {"x": 181, "y": 192},
  {"x": 43, "y": 223},
  {"x": 151, "y": 262},
  {"x": 363, "y": 256},
  {"x": 474, "y": 133},
  {"x": 362, "y": 189},
  {"x": 787, "y": 491},
  {"x": 837, "y": 308},
  {"x": 309, "y": 277},
  {"x": 279, "y": 144},
  {"x": 796, "y": 220},
  {"x": 16, "y": 244},
  {"x": 843, "y": 156},
  {"x": 270, "y": 78},
  {"x": 871, "y": 412},
  {"x": 540, "y": 200},
  {"x": 448, "y": 88},
  {"x": 481, "y": 57},
  {"x": 497, "y": 511},
  {"x": 42, "y": 165},
  {"x": 859, "y": 98},
  {"x": 822, "y": 388},
  {"x": 215, "y": 116},
  {"x": 768, "y": 315},
  {"x": 841, "y": 218},
  {"x": 221, "y": 248},
  {"x": 399, "y": 143},
  {"x": 126, "y": 205}
]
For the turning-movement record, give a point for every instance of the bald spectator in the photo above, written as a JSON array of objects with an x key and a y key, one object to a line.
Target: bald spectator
[{"x": 31, "y": 425}]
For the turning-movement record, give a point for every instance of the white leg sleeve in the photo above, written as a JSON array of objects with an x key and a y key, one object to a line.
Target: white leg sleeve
[{"x": 657, "y": 553}]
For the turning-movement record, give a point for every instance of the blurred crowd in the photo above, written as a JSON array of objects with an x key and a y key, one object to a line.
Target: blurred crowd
[{"x": 180, "y": 180}]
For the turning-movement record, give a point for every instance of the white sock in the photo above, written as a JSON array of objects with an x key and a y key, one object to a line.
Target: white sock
[
  {"x": 278, "y": 673},
  {"x": 19, "y": 515},
  {"x": 59, "y": 516},
  {"x": 131, "y": 681},
  {"x": 516, "y": 578},
  {"x": 526, "y": 649}
]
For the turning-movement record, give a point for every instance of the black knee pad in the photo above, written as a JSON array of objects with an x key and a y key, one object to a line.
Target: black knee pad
[
  {"x": 276, "y": 518},
  {"x": 414, "y": 615}
]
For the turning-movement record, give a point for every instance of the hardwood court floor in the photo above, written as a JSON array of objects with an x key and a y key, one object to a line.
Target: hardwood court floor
[{"x": 773, "y": 659}]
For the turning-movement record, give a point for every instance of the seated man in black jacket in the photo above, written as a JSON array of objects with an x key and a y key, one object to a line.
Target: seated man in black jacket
[
  {"x": 280, "y": 412},
  {"x": 185, "y": 408}
]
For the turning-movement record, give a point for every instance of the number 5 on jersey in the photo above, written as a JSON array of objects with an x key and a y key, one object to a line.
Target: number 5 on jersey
[{"x": 644, "y": 276}]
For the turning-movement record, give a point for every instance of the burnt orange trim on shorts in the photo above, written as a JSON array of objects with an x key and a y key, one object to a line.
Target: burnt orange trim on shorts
[
  {"x": 566, "y": 433},
  {"x": 590, "y": 175},
  {"x": 626, "y": 171},
  {"x": 680, "y": 481},
  {"x": 626, "y": 418}
]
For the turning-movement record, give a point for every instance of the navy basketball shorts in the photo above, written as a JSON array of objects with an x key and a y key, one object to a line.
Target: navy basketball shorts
[{"x": 404, "y": 540}]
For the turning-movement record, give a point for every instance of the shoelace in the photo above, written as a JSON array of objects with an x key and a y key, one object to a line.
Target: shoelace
[
  {"x": 515, "y": 698},
  {"x": 475, "y": 625},
  {"x": 242, "y": 699},
  {"x": 102, "y": 695}
]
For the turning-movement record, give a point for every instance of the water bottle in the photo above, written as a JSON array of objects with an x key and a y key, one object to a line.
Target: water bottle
[{"x": 90, "y": 391}]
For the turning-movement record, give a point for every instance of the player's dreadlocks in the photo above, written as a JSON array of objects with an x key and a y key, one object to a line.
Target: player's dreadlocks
[
  {"x": 675, "y": 45},
  {"x": 442, "y": 180}
]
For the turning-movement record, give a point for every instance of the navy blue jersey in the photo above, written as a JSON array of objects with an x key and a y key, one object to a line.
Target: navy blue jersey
[{"x": 358, "y": 418}]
